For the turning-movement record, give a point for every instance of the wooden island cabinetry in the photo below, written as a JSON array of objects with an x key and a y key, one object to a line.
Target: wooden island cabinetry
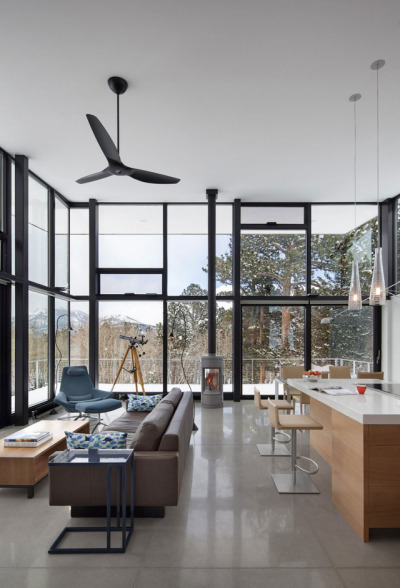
[{"x": 361, "y": 442}]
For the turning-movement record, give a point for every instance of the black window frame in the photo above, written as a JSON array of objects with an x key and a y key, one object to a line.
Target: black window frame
[{"x": 23, "y": 284}]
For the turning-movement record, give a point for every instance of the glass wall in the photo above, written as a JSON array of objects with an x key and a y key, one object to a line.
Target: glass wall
[
  {"x": 38, "y": 232},
  {"x": 2, "y": 194},
  {"x": 131, "y": 240},
  {"x": 13, "y": 217},
  {"x": 38, "y": 348},
  {"x": 116, "y": 283},
  {"x": 272, "y": 336},
  {"x": 131, "y": 236},
  {"x": 187, "y": 342},
  {"x": 276, "y": 215},
  {"x": 397, "y": 237},
  {"x": 187, "y": 250},
  {"x": 79, "y": 334},
  {"x": 344, "y": 338},
  {"x": 131, "y": 319},
  {"x": 79, "y": 246},
  {"x": 2, "y": 212},
  {"x": 273, "y": 263},
  {"x": 12, "y": 349},
  {"x": 224, "y": 340},
  {"x": 223, "y": 250},
  {"x": 61, "y": 245},
  {"x": 61, "y": 338},
  {"x": 336, "y": 242}
]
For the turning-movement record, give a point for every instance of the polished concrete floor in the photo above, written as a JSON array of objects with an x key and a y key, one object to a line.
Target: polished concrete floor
[{"x": 231, "y": 528}]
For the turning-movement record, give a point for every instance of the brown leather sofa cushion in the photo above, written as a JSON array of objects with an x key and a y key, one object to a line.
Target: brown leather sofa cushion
[
  {"x": 148, "y": 435},
  {"x": 173, "y": 397},
  {"x": 129, "y": 422}
]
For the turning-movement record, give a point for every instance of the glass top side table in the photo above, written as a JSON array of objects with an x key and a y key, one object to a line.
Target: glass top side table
[{"x": 121, "y": 459}]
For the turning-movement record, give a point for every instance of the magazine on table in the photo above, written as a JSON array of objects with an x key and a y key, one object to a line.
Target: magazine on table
[{"x": 334, "y": 390}]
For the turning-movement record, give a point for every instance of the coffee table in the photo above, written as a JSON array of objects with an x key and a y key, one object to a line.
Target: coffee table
[{"x": 26, "y": 466}]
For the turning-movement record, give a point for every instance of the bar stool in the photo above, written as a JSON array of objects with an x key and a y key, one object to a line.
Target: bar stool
[
  {"x": 270, "y": 449},
  {"x": 296, "y": 482},
  {"x": 370, "y": 375},
  {"x": 339, "y": 372}
]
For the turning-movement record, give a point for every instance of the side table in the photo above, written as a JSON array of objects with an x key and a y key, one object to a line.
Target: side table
[{"x": 120, "y": 459}]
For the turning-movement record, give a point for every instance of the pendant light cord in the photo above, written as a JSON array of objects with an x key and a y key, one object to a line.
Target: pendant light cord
[
  {"x": 377, "y": 157},
  {"x": 355, "y": 171}
]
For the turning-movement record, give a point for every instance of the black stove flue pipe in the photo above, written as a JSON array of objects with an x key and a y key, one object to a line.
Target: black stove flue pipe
[{"x": 212, "y": 195}]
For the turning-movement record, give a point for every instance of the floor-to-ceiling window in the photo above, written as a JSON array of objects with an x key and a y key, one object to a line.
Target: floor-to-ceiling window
[
  {"x": 38, "y": 370},
  {"x": 142, "y": 321},
  {"x": 340, "y": 337},
  {"x": 38, "y": 198},
  {"x": 61, "y": 244},
  {"x": 303, "y": 254},
  {"x": 152, "y": 280},
  {"x": 272, "y": 337}
]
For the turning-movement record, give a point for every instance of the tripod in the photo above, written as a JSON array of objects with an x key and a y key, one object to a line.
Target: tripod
[{"x": 136, "y": 371}]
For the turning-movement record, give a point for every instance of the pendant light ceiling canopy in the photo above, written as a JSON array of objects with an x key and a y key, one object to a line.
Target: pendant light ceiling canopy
[
  {"x": 377, "y": 296},
  {"x": 355, "y": 301}
]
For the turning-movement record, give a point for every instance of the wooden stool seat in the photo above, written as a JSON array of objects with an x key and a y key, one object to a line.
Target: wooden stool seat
[
  {"x": 300, "y": 421},
  {"x": 294, "y": 483},
  {"x": 271, "y": 449}
]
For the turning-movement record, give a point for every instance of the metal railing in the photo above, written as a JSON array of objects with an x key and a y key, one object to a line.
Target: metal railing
[{"x": 254, "y": 371}]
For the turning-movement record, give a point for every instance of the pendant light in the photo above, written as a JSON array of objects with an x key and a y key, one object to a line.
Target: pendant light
[
  {"x": 377, "y": 296},
  {"x": 355, "y": 301}
]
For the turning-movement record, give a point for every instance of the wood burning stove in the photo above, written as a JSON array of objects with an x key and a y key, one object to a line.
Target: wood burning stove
[{"x": 212, "y": 378}]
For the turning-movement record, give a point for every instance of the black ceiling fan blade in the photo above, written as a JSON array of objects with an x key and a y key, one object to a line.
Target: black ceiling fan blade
[
  {"x": 93, "y": 177},
  {"x": 152, "y": 178},
  {"x": 103, "y": 138}
]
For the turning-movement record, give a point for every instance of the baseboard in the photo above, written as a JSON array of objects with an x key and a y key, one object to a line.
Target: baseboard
[{"x": 155, "y": 512}]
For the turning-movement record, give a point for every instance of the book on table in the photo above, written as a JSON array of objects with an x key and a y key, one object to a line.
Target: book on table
[{"x": 27, "y": 439}]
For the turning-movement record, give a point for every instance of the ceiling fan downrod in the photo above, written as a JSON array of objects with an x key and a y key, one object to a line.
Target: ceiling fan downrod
[{"x": 118, "y": 86}]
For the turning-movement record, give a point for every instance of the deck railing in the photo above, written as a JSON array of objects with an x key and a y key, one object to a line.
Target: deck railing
[{"x": 253, "y": 370}]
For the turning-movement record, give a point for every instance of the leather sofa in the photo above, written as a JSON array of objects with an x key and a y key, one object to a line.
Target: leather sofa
[{"x": 160, "y": 439}]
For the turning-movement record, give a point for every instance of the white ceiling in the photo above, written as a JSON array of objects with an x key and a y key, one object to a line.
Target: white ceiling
[{"x": 248, "y": 96}]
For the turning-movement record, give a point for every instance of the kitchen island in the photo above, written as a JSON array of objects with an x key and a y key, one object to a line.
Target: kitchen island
[{"x": 361, "y": 442}]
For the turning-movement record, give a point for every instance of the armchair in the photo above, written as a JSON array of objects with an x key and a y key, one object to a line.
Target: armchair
[{"x": 78, "y": 395}]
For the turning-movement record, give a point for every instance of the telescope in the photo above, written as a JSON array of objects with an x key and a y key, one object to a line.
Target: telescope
[{"x": 133, "y": 341}]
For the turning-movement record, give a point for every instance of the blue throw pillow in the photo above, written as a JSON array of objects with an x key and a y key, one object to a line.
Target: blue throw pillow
[
  {"x": 142, "y": 403},
  {"x": 111, "y": 440}
]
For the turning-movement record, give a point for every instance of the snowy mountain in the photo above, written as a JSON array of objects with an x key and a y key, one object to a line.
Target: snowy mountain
[
  {"x": 123, "y": 319},
  {"x": 39, "y": 319}
]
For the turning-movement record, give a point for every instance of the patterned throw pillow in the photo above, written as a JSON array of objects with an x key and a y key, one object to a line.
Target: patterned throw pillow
[
  {"x": 112, "y": 440},
  {"x": 142, "y": 403}
]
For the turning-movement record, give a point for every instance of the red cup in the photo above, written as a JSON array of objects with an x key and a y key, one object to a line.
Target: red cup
[{"x": 361, "y": 389}]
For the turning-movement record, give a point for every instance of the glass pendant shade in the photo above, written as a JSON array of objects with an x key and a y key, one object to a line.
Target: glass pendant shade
[
  {"x": 355, "y": 302},
  {"x": 377, "y": 296}
]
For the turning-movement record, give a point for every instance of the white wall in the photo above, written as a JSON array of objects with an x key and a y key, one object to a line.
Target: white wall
[{"x": 391, "y": 339}]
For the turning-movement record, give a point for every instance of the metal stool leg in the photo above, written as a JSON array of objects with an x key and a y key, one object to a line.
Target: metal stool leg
[
  {"x": 296, "y": 482},
  {"x": 271, "y": 449}
]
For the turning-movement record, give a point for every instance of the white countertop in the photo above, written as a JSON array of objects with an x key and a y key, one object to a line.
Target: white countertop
[{"x": 372, "y": 408}]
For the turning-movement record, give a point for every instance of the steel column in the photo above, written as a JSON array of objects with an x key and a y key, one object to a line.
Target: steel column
[
  {"x": 237, "y": 314},
  {"x": 93, "y": 292},
  {"x": 165, "y": 303},
  {"x": 212, "y": 195},
  {"x": 21, "y": 291}
]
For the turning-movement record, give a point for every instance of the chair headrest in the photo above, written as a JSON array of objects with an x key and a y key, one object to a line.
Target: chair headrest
[{"x": 77, "y": 371}]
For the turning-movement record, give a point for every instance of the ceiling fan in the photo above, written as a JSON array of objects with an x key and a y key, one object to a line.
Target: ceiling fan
[{"x": 115, "y": 166}]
